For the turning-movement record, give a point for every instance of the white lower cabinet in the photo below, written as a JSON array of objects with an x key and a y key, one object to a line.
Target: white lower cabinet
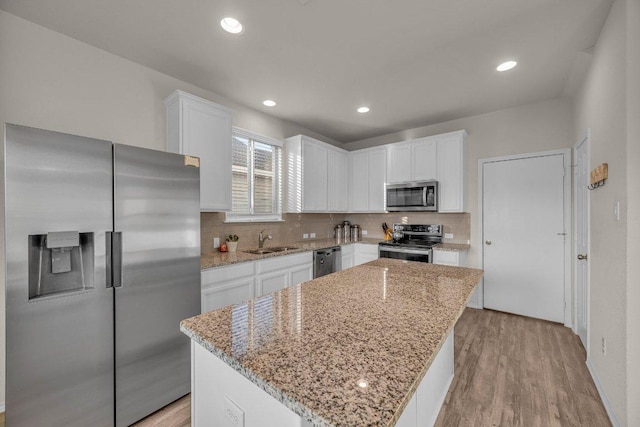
[
  {"x": 271, "y": 282},
  {"x": 300, "y": 274},
  {"x": 232, "y": 284},
  {"x": 364, "y": 252},
  {"x": 227, "y": 285},
  {"x": 457, "y": 259},
  {"x": 348, "y": 252},
  {"x": 278, "y": 273},
  {"x": 452, "y": 258}
]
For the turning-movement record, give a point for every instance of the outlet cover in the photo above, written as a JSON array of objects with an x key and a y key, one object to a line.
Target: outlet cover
[
  {"x": 305, "y": 236},
  {"x": 364, "y": 232},
  {"x": 448, "y": 235},
  {"x": 216, "y": 242},
  {"x": 313, "y": 235},
  {"x": 233, "y": 413}
]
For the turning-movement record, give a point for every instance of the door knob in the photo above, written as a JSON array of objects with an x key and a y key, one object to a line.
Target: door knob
[
  {"x": 487, "y": 242},
  {"x": 582, "y": 257}
]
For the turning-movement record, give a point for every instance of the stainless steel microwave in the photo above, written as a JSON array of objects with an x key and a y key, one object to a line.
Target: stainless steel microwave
[{"x": 412, "y": 196}]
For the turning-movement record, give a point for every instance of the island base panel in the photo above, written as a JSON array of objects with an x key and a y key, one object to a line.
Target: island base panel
[{"x": 213, "y": 381}]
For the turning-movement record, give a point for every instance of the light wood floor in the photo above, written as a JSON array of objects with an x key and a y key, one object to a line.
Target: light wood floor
[
  {"x": 518, "y": 371},
  {"x": 509, "y": 371}
]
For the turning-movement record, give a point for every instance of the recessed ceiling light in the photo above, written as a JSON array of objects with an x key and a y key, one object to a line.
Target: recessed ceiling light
[
  {"x": 363, "y": 110},
  {"x": 269, "y": 103},
  {"x": 506, "y": 66},
  {"x": 231, "y": 25}
]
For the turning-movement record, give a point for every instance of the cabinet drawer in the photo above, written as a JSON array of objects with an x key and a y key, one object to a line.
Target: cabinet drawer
[
  {"x": 222, "y": 295},
  {"x": 213, "y": 276},
  {"x": 347, "y": 249},
  {"x": 446, "y": 258},
  {"x": 280, "y": 262},
  {"x": 367, "y": 250}
]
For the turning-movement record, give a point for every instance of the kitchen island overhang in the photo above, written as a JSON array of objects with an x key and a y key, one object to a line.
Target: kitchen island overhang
[{"x": 350, "y": 348}]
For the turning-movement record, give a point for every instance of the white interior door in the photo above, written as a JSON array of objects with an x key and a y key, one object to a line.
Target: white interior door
[
  {"x": 582, "y": 241},
  {"x": 523, "y": 236}
]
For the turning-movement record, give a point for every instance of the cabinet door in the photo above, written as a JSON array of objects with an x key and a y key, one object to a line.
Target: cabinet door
[
  {"x": 364, "y": 253},
  {"x": 451, "y": 174},
  {"x": 399, "y": 163},
  {"x": 300, "y": 274},
  {"x": 234, "y": 292},
  {"x": 201, "y": 128},
  {"x": 348, "y": 261},
  {"x": 314, "y": 177},
  {"x": 446, "y": 258},
  {"x": 337, "y": 178},
  {"x": 359, "y": 194},
  {"x": 377, "y": 179},
  {"x": 424, "y": 160},
  {"x": 271, "y": 282}
]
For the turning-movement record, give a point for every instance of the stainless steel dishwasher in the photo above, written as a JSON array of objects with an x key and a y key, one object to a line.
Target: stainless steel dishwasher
[{"x": 327, "y": 261}]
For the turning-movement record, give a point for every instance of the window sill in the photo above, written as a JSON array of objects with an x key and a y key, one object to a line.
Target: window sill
[{"x": 250, "y": 220}]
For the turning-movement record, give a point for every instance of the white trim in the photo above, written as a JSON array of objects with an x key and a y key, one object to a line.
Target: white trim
[
  {"x": 256, "y": 136},
  {"x": 568, "y": 229},
  {"x": 2, "y": 409},
  {"x": 586, "y": 138},
  {"x": 603, "y": 394},
  {"x": 249, "y": 219}
]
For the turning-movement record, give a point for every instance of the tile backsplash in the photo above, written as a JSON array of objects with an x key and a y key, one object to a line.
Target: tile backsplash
[{"x": 294, "y": 226}]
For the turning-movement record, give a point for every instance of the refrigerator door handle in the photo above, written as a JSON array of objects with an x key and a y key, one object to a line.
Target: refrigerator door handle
[
  {"x": 108, "y": 239},
  {"x": 114, "y": 259}
]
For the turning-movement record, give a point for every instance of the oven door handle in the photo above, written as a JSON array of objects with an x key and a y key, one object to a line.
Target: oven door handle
[
  {"x": 424, "y": 196},
  {"x": 406, "y": 251}
]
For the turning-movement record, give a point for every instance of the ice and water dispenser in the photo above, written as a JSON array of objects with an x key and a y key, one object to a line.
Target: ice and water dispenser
[{"x": 60, "y": 262}]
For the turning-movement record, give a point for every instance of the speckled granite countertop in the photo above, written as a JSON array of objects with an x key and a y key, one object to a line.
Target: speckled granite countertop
[
  {"x": 218, "y": 259},
  {"x": 452, "y": 247},
  {"x": 309, "y": 345}
]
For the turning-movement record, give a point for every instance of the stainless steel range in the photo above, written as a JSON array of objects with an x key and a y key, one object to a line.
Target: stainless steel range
[{"x": 412, "y": 242}]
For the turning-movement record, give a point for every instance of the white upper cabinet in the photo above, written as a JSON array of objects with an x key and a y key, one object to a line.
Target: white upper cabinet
[
  {"x": 337, "y": 175},
  {"x": 424, "y": 160},
  {"x": 201, "y": 128},
  {"x": 367, "y": 179},
  {"x": 451, "y": 172},
  {"x": 412, "y": 161},
  {"x": 315, "y": 176},
  {"x": 399, "y": 162}
]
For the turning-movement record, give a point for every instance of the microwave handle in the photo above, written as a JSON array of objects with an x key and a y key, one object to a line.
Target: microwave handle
[{"x": 424, "y": 196}]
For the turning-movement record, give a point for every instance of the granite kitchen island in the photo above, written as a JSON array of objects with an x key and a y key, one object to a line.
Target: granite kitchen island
[{"x": 371, "y": 345}]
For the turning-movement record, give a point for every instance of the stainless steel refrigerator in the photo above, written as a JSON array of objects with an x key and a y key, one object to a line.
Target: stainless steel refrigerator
[{"x": 102, "y": 251}]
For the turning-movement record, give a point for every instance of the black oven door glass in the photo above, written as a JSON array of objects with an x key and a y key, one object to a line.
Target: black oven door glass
[{"x": 419, "y": 257}]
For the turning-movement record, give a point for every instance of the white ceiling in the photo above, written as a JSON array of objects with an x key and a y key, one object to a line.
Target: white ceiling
[{"x": 413, "y": 62}]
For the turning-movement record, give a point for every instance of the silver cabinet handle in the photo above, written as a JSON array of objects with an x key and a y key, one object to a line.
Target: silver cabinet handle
[
  {"x": 487, "y": 242},
  {"x": 582, "y": 257}
]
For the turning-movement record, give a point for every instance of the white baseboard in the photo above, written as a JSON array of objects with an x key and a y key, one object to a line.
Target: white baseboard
[{"x": 603, "y": 395}]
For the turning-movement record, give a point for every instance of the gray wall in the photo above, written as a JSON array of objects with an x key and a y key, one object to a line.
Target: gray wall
[
  {"x": 609, "y": 108},
  {"x": 526, "y": 129},
  {"x": 54, "y": 82},
  {"x": 633, "y": 211}
]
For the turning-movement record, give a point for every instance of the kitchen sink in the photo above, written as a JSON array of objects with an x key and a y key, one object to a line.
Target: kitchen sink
[
  {"x": 283, "y": 248},
  {"x": 259, "y": 251},
  {"x": 271, "y": 250}
]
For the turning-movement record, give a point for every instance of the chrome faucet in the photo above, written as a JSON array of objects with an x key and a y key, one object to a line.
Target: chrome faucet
[{"x": 262, "y": 238}]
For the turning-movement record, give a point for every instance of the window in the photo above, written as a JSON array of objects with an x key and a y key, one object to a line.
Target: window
[{"x": 257, "y": 177}]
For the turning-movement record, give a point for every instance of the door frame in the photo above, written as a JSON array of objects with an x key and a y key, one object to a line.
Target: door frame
[
  {"x": 568, "y": 225},
  {"x": 585, "y": 139}
]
